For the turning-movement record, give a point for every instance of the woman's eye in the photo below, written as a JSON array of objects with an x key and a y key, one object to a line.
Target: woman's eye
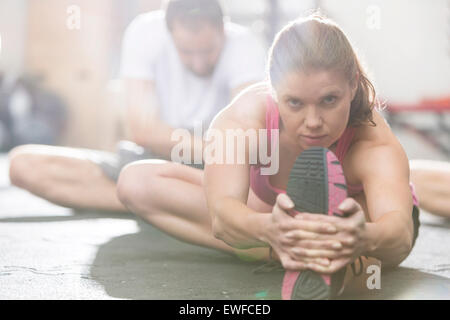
[
  {"x": 294, "y": 103},
  {"x": 329, "y": 100}
]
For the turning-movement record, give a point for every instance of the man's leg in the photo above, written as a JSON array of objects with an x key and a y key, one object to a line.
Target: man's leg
[
  {"x": 66, "y": 176},
  {"x": 431, "y": 180}
]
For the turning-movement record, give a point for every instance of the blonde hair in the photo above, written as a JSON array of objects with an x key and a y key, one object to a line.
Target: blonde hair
[{"x": 316, "y": 42}]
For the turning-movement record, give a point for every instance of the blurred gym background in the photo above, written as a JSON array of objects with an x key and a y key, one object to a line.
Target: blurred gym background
[{"x": 58, "y": 73}]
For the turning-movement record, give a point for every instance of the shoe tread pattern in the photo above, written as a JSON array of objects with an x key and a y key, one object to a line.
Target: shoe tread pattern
[{"x": 307, "y": 185}]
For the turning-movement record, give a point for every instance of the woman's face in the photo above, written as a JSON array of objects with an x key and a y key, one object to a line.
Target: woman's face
[{"x": 315, "y": 106}]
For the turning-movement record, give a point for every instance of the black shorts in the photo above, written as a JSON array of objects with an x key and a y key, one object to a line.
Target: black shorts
[
  {"x": 126, "y": 152},
  {"x": 416, "y": 222}
]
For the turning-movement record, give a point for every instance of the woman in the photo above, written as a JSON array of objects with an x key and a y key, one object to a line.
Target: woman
[{"x": 317, "y": 95}]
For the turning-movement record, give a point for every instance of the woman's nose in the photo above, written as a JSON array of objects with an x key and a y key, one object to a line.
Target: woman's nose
[{"x": 313, "y": 120}]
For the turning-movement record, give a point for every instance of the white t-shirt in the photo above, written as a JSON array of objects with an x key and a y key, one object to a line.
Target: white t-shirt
[{"x": 186, "y": 100}]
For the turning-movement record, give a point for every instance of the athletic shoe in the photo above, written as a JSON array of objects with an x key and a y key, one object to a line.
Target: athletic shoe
[{"x": 316, "y": 185}]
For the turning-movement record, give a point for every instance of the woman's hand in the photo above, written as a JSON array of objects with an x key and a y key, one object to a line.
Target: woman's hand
[
  {"x": 351, "y": 234},
  {"x": 299, "y": 243}
]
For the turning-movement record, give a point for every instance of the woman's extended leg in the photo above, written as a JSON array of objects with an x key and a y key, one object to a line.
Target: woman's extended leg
[
  {"x": 170, "y": 196},
  {"x": 432, "y": 182}
]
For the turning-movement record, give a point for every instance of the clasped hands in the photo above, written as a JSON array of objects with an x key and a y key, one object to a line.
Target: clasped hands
[{"x": 317, "y": 242}]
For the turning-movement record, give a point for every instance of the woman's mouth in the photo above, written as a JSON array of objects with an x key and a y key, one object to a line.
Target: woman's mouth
[{"x": 313, "y": 140}]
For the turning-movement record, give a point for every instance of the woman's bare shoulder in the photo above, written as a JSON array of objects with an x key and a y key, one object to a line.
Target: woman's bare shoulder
[
  {"x": 380, "y": 134},
  {"x": 247, "y": 109},
  {"x": 378, "y": 139}
]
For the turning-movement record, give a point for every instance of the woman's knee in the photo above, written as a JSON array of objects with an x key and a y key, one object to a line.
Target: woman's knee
[
  {"x": 126, "y": 183},
  {"x": 135, "y": 180}
]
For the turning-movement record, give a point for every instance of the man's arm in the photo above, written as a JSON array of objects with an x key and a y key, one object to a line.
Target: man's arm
[
  {"x": 143, "y": 123},
  {"x": 141, "y": 108}
]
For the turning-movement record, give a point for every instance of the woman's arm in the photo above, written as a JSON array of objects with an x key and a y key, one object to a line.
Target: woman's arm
[
  {"x": 379, "y": 162},
  {"x": 384, "y": 172},
  {"x": 227, "y": 184},
  {"x": 388, "y": 235}
]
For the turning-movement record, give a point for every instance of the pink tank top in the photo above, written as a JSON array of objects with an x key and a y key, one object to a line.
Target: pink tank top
[{"x": 260, "y": 184}]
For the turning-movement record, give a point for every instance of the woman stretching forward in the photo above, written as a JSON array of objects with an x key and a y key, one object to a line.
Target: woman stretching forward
[{"x": 317, "y": 95}]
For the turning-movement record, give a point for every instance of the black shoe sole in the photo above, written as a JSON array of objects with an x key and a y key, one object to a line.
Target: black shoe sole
[{"x": 308, "y": 189}]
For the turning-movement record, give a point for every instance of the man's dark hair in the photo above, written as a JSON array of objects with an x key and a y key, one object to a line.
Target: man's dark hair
[{"x": 191, "y": 12}]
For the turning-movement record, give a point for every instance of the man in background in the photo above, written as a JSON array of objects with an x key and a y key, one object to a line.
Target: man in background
[{"x": 180, "y": 67}]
